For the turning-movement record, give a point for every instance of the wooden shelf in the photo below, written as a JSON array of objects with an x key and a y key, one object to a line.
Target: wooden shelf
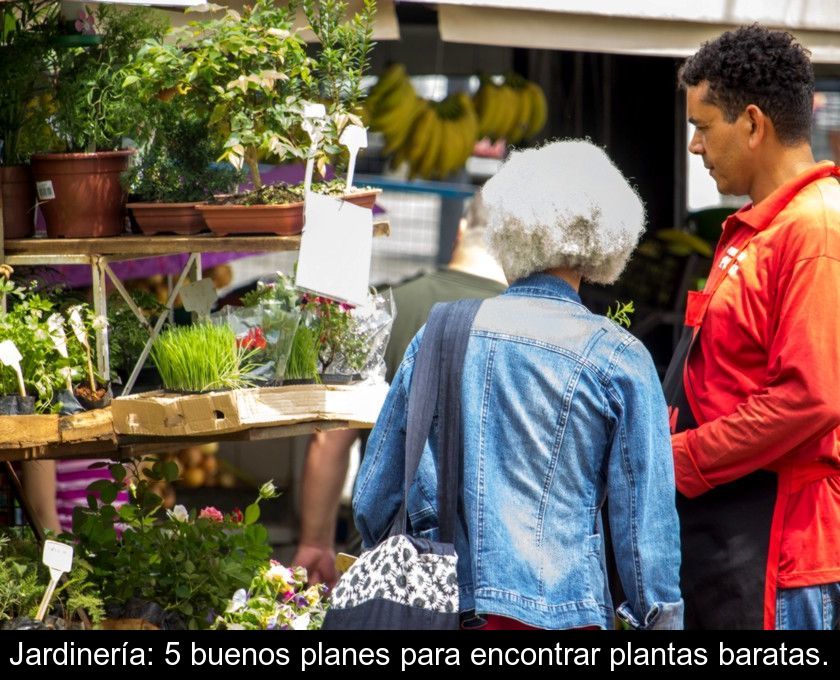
[{"x": 136, "y": 246}]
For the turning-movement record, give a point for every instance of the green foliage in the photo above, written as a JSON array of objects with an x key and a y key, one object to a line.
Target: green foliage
[
  {"x": 303, "y": 359},
  {"x": 126, "y": 337},
  {"x": 201, "y": 358},
  {"x": 178, "y": 165},
  {"x": 622, "y": 313},
  {"x": 26, "y": 29},
  {"x": 336, "y": 332},
  {"x": 94, "y": 112},
  {"x": 186, "y": 562},
  {"x": 249, "y": 69},
  {"x": 23, "y": 580},
  {"x": 44, "y": 368}
]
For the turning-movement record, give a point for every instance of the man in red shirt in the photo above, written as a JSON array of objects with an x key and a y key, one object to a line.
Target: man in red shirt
[{"x": 754, "y": 387}]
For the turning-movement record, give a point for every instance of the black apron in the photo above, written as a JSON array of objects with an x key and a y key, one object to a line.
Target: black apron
[{"x": 725, "y": 532}]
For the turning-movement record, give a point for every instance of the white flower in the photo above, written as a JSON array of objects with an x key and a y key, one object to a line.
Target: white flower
[
  {"x": 280, "y": 574},
  {"x": 301, "y": 622},
  {"x": 268, "y": 490},
  {"x": 99, "y": 323},
  {"x": 178, "y": 513},
  {"x": 238, "y": 601}
]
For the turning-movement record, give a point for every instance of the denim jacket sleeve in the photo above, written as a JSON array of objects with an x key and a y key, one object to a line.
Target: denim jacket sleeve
[
  {"x": 379, "y": 483},
  {"x": 640, "y": 486}
]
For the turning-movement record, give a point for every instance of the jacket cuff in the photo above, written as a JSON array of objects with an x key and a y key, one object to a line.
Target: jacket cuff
[
  {"x": 661, "y": 616},
  {"x": 690, "y": 481}
]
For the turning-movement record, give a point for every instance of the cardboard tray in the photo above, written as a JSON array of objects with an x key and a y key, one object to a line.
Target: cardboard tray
[
  {"x": 39, "y": 430},
  {"x": 169, "y": 414}
]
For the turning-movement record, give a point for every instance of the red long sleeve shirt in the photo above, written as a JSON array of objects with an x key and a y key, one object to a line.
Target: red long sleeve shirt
[{"x": 764, "y": 382}]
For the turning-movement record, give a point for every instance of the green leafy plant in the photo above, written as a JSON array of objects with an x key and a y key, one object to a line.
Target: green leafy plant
[
  {"x": 27, "y": 324},
  {"x": 622, "y": 313},
  {"x": 250, "y": 69},
  {"x": 185, "y": 561},
  {"x": 93, "y": 111},
  {"x": 26, "y": 30},
  {"x": 277, "y": 599},
  {"x": 201, "y": 358},
  {"x": 126, "y": 337},
  {"x": 178, "y": 165},
  {"x": 303, "y": 358},
  {"x": 336, "y": 332},
  {"x": 23, "y": 580}
]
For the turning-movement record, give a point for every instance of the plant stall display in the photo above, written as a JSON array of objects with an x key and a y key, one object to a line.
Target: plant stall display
[
  {"x": 23, "y": 580},
  {"x": 185, "y": 562},
  {"x": 277, "y": 599},
  {"x": 202, "y": 358},
  {"x": 126, "y": 337},
  {"x": 252, "y": 70},
  {"x": 80, "y": 188},
  {"x": 176, "y": 170},
  {"x": 26, "y": 29}
]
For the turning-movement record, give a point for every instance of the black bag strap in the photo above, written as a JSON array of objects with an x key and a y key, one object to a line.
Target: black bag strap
[{"x": 441, "y": 352}]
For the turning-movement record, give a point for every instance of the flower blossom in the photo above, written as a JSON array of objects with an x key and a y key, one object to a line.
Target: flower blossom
[
  {"x": 178, "y": 513},
  {"x": 212, "y": 514}
]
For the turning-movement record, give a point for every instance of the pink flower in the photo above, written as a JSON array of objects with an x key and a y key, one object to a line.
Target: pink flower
[
  {"x": 212, "y": 514},
  {"x": 84, "y": 24}
]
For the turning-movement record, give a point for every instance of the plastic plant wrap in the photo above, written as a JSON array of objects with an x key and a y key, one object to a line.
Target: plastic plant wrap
[
  {"x": 352, "y": 340},
  {"x": 266, "y": 328}
]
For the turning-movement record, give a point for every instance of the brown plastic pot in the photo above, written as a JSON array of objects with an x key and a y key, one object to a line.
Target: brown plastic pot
[
  {"x": 89, "y": 199},
  {"x": 364, "y": 199},
  {"x": 283, "y": 220},
  {"x": 167, "y": 218},
  {"x": 18, "y": 201}
]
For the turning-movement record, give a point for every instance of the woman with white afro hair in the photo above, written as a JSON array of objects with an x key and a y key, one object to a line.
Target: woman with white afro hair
[
  {"x": 560, "y": 409},
  {"x": 563, "y": 206}
]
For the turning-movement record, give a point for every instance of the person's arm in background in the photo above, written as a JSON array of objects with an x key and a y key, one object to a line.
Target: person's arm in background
[
  {"x": 39, "y": 485},
  {"x": 327, "y": 460},
  {"x": 643, "y": 519},
  {"x": 799, "y": 401}
]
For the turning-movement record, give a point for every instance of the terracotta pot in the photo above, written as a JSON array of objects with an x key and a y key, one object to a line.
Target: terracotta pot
[
  {"x": 89, "y": 199},
  {"x": 167, "y": 218},
  {"x": 364, "y": 199},
  {"x": 18, "y": 201},
  {"x": 283, "y": 220}
]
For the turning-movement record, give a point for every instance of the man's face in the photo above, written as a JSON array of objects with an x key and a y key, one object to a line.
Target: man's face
[{"x": 723, "y": 146}]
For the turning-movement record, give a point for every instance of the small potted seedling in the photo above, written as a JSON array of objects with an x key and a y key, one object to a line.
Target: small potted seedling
[{"x": 92, "y": 394}]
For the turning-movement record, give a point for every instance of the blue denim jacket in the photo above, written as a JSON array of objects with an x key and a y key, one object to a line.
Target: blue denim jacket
[{"x": 561, "y": 409}]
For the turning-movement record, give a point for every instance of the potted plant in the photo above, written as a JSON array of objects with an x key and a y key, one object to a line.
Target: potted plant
[
  {"x": 186, "y": 562},
  {"x": 252, "y": 71},
  {"x": 80, "y": 190},
  {"x": 202, "y": 358},
  {"x": 26, "y": 28},
  {"x": 176, "y": 170}
]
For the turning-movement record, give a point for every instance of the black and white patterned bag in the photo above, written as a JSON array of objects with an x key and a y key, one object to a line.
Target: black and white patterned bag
[{"x": 406, "y": 582}]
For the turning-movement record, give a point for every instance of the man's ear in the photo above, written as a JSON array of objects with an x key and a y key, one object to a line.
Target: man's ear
[{"x": 758, "y": 126}]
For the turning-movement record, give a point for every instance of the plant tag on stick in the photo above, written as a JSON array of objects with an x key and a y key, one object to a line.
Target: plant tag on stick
[
  {"x": 55, "y": 324},
  {"x": 199, "y": 296},
  {"x": 335, "y": 249},
  {"x": 354, "y": 138},
  {"x": 45, "y": 190},
  {"x": 11, "y": 356},
  {"x": 59, "y": 559},
  {"x": 78, "y": 326},
  {"x": 314, "y": 120}
]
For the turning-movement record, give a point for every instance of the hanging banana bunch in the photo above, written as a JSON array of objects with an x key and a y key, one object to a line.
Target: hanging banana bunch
[{"x": 514, "y": 111}]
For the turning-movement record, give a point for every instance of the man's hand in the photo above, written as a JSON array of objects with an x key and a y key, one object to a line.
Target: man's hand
[{"x": 319, "y": 563}]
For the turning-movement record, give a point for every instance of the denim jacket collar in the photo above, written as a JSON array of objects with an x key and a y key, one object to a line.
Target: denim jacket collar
[{"x": 543, "y": 285}]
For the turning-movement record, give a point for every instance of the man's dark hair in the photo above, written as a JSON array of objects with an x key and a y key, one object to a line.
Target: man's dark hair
[{"x": 754, "y": 65}]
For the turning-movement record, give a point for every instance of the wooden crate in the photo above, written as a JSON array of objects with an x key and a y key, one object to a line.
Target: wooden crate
[
  {"x": 178, "y": 415},
  {"x": 38, "y": 430}
]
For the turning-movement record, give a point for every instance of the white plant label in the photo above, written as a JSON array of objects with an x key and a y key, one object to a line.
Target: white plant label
[
  {"x": 55, "y": 324},
  {"x": 45, "y": 190},
  {"x": 314, "y": 116},
  {"x": 199, "y": 296},
  {"x": 78, "y": 326},
  {"x": 335, "y": 249},
  {"x": 59, "y": 559},
  {"x": 354, "y": 138},
  {"x": 10, "y": 356}
]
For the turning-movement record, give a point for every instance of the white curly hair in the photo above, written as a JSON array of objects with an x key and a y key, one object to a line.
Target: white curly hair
[{"x": 564, "y": 205}]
